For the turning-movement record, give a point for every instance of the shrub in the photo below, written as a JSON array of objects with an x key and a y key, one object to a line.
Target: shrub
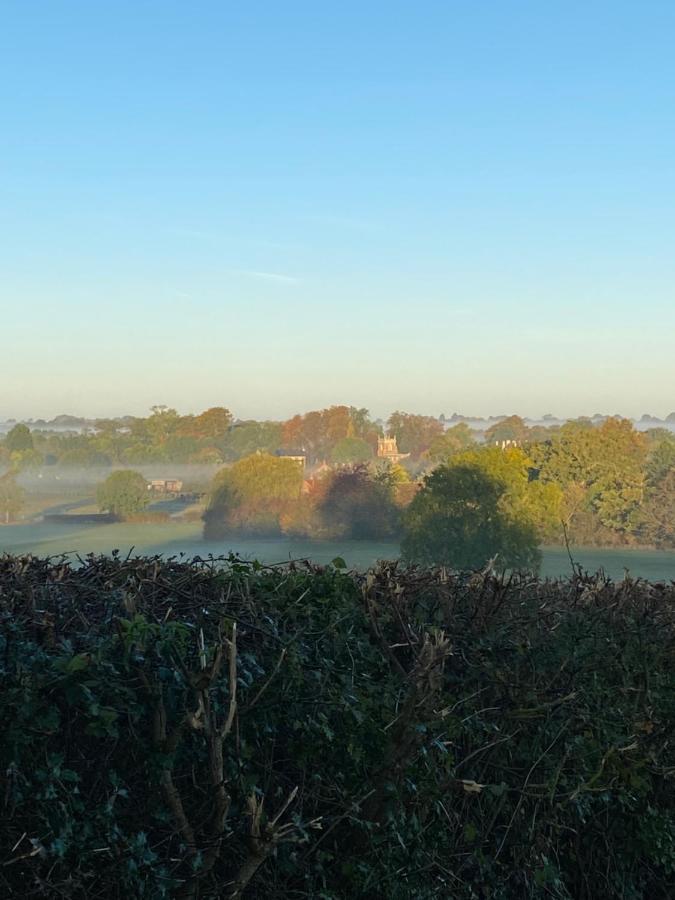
[
  {"x": 251, "y": 496},
  {"x": 124, "y": 493},
  {"x": 210, "y": 729},
  {"x": 357, "y": 506}
]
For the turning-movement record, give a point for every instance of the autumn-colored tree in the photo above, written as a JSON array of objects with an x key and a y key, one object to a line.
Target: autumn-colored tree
[
  {"x": 251, "y": 495},
  {"x": 305, "y": 433},
  {"x": 337, "y": 425},
  {"x": 319, "y": 431},
  {"x": 212, "y": 423}
]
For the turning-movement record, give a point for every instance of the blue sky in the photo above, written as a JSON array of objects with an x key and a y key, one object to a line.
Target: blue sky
[{"x": 433, "y": 206}]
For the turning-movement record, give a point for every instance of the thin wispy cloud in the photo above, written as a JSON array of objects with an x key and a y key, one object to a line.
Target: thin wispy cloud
[{"x": 270, "y": 276}]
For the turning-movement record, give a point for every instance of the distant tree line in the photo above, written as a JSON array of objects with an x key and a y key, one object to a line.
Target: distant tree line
[
  {"x": 461, "y": 502},
  {"x": 587, "y": 481}
]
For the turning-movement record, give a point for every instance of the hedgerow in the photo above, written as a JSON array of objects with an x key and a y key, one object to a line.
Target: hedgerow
[{"x": 223, "y": 729}]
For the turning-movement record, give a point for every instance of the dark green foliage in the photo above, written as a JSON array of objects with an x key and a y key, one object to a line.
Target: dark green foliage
[
  {"x": 405, "y": 734},
  {"x": 357, "y": 506},
  {"x": 84, "y": 457},
  {"x": 249, "y": 437},
  {"x": 19, "y": 438},
  {"x": 457, "y": 520}
]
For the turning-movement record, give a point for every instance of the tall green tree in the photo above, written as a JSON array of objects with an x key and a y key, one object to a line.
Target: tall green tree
[
  {"x": 457, "y": 520},
  {"x": 19, "y": 438},
  {"x": 451, "y": 442},
  {"x": 163, "y": 422},
  {"x": 658, "y": 520},
  {"x": 661, "y": 458},
  {"x": 525, "y": 498},
  {"x": 245, "y": 438},
  {"x": 606, "y": 462},
  {"x": 512, "y": 428},
  {"x": 11, "y": 498}
]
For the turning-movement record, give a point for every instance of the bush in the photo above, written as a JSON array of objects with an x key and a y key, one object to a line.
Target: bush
[
  {"x": 124, "y": 493},
  {"x": 175, "y": 729},
  {"x": 251, "y": 496},
  {"x": 358, "y": 507}
]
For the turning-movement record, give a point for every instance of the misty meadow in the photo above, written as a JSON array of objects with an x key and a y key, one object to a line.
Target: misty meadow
[{"x": 444, "y": 490}]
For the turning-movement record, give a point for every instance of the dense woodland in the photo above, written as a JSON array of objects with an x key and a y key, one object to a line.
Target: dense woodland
[{"x": 597, "y": 481}]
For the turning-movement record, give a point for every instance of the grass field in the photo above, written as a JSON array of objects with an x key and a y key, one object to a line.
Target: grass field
[{"x": 176, "y": 537}]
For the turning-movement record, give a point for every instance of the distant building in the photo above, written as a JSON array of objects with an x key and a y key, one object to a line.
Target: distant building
[
  {"x": 166, "y": 486},
  {"x": 507, "y": 443},
  {"x": 298, "y": 456},
  {"x": 387, "y": 449}
]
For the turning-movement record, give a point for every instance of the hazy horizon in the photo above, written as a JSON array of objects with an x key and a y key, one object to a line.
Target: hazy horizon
[{"x": 383, "y": 415}]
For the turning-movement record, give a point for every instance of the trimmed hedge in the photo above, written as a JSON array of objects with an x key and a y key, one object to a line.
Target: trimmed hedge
[{"x": 224, "y": 729}]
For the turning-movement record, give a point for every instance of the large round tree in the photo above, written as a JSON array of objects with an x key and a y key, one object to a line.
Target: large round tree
[
  {"x": 124, "y": 493},
  {"x": 457, "y": 520},
  {"x": 252, "y": 495},
  {"x": 19, "y": 438}
]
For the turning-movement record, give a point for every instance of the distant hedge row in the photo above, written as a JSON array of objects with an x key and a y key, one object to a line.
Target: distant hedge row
[{"x": 201, "y": 729}]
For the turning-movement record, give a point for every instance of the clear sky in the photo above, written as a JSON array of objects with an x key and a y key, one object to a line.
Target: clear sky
[{"x": 274, "y": 206}]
